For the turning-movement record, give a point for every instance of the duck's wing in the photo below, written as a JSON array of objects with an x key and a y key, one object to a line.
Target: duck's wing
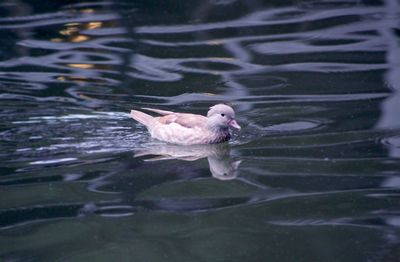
[
  {"x": 158, "y": 111},
  {"x": 185, "y": 120}
]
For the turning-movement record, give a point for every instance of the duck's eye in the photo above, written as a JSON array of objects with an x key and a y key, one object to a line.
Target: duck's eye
[{"x": 222, "y": 115}]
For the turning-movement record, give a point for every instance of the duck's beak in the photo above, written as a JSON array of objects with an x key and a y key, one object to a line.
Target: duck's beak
[{"x": 234, "y": 124}]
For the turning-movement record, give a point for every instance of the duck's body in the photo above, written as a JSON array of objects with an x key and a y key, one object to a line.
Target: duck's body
[{"x": 189, "y": 129}]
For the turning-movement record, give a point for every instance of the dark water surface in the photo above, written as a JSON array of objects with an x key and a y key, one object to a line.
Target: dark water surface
[{"x": 314, "y": 175}]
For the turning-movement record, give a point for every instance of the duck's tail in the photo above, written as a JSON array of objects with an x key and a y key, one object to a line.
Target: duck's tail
[{"x": 142, "y": 118}]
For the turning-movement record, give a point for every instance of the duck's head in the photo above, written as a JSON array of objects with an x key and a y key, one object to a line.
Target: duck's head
[{"x": 222, "y": 116}]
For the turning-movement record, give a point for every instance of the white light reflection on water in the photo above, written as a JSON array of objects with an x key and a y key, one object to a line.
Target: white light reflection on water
[
  {"x": 390, "y": 108},
  {"x": 53, "y": 161}
]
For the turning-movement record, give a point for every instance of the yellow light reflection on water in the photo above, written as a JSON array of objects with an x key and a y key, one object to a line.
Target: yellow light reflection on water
[
  {"x": 72, "y": 24},
  {"x": 72, "y": 31},
  {"x": 69, "y": 30},
  {"x": 56, "y": 40},
  {"x": 79, "y": 38},
  {"x": 87, "y": 11},
  {"x": 80, "y": 66},
  {"x": 93, "y": 25}
]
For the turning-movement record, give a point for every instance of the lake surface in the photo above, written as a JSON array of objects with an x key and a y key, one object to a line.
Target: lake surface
[{"x": 314, "y": 174}]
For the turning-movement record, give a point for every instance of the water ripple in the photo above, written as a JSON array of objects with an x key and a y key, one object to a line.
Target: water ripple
[{"x": 310, "y": 83}]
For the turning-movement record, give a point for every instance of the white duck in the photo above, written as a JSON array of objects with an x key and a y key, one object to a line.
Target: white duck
[{"x": 189, "y": 129}]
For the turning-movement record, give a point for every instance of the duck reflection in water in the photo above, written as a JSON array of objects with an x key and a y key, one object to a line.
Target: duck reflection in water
[{"x": 221, "y": 163}]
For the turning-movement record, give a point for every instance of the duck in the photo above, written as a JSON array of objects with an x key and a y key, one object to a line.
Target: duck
[{"x": 187, "y": 128}]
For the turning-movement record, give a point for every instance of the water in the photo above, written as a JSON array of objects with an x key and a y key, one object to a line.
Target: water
[{"x": 312, "y": 176}]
